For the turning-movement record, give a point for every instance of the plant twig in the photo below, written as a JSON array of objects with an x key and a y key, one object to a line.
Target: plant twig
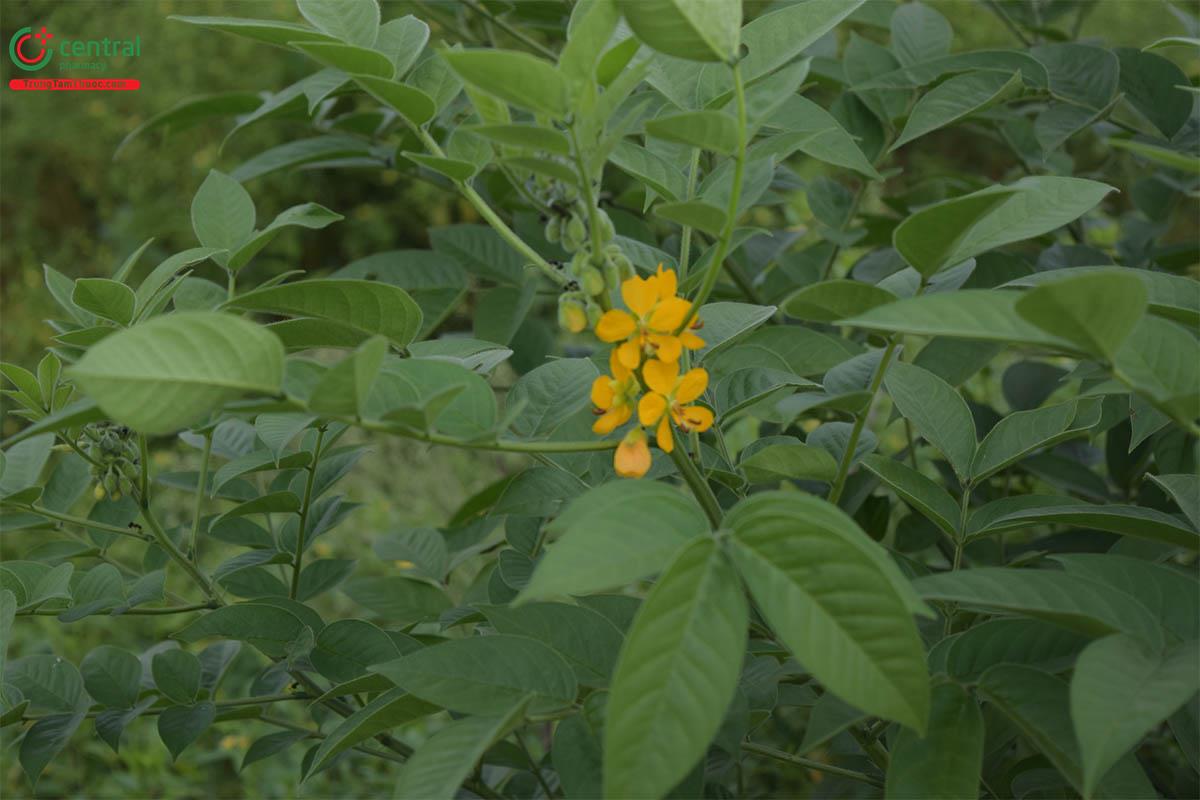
[
  {"x": 699, "y": 486},
  {"x": 808, "y": 763},
  {"x": 201, "y": 488},
  {"x": 305, "y": 505}
]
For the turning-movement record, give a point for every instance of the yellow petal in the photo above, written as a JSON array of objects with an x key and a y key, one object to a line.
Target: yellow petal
[
  {"x": 697, "y": 418},
  {"x": 611, "y": 420},
  {"x": 651, "y": 408},
  {"x": 666, "y": 442},
  {"x": 668, "y": 314},
  {"x": 639, "y": 295},
  {"x": 632, "y": 457},
  {"x": 630, "y": 355},
  {"x": 614, "y": 326},
  {"x": 691, "y": 386},
  {"x": 691, "y": 341},
  {"x": 660, "y": 375},
  {"x": 668, "y": 347},
  {"x": 602, "y": 392},
  {"x": 667, "y": 283}
]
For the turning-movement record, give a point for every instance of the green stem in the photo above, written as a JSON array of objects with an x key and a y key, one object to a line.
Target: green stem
[
  {"x": 808, "y": 763},
  {"x": 175, "y": 554},
  {"x": 245, "y": 701},
  {"x": 163, "y": 611},
  {"x": 735, "y": 196},
  {"x": 591, "y": 445},
  {"x": 302, "y": 533},
  {"x": 87, "y": 523},
  {"x": 959, "y": 543},
  {"x": 533, "y": 766},
  {"x": 201, "y": 488},
  {"x": 839, "y": 482},
  {"x": 516, "y": 33},
  {"x": 685, "y": 239},
  {"x": 700, "y": 488}
]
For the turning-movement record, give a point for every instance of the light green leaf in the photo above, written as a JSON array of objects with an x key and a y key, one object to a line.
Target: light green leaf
[
  {"x": 391, "y": 709},
  {"x": 1161, "y": 361},
  {"x": 179, "y": 726},
  {"x": 344, "y": 388},
  {"x": 708, "y": 130},
  {"x": 371, "y": 307},
  {"x": 1172, "y": 296},
  {"x": 352, "y": 21},
  {"x": 699, "y": 30},
  {"x": 173, "y": 371},
  {"x": 956, "y": 99},
  {"x": 1143, "y": 523},
  {"x": 104, "y": 298},
  {"x": 305, "y": 215},
  {"x": 1119, "y": 691},
  {"x": 1011, "y": 640},
  {"x": 1024, "y": 432},
  {"x": 524, "y": 137},
  {"x": 411, "y": 103},
  {"x": 222, "y": 213},
  {"x": 1167, "y": 592},
  {"x": 944, "y": 764},
  {"x": 348, "y": 58},
  {"x": 550, "y": 395},
  {"x": 518, "y": 78},
  {"x": 676, "y": 674},
  {"x": 649, "y": 167},
  {"x": 789, "y": 462},
  {"x": 775, "y": 38},
  {"x": 919, "y": 34},
  {"x": 403, "y": 40},
  {"x": 937, "y": 411},
  {"x": 1096, "y": 311},
  {"x": 273, "y": 32},
  {"x": 445, "y": 760},
  {"x": 1077, "y": 603},
  {"x": 920, "y": 492},
  {"x": 585, "y": 639},
  {"x": 863, "y": 645},
  {"x": 833, "y": 300},
  {"x": 693, "y": 213},
  {"x": 818, "y": 133},
  {"x": 950, "y": 232},
  {"x": 485, "y": 674},
  {"x": 591, "y": 547},
  {"x": 1185, "y": 491}
]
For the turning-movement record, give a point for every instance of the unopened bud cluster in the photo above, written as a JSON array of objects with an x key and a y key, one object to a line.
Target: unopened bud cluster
[{"x": 114, "y": 454}]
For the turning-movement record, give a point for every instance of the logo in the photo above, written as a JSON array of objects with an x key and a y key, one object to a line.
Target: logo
[{"x": 29, "y": 50}]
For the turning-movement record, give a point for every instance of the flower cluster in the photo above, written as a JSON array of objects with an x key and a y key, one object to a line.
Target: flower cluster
[{"x": 648, "y": 341}]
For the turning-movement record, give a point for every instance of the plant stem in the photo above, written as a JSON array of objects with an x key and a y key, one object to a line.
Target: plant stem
[
  {"x": 685, "y": 239},
  {"x": 261, "y": 700},
  {"x": 516, "y": 33},
  {"x": 731, "y": 213},
  {"x": 808, "y": 763},
  {"x": 533, "y": 766},
  {"x": 176, "y": 555},
  {"x": 959, "y": 543},
  {"x": 87, "y": 523},
  {"x": 302, "y": 533},
  {"x": 53, "y": 612},
  {"x": 495, "y": 445},
  {"x": 201, "y": 488},
  {"x": 839, "y": 482},
  {"x": 699, "y": 486}
]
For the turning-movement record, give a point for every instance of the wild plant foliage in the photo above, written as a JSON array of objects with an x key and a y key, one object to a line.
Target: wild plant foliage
[{"x": 843, "y": 468}]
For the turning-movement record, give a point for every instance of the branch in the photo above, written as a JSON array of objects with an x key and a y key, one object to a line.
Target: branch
[{"x": 820, "y": 766}]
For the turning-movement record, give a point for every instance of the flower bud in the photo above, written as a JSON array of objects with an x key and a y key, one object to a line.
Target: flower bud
[
  {"x": 607, "y": 232},
  {"x": 574, "y": 233},
  {"x": 593, "y": 281},
  {"x": 553, "y": 230},
  {"x": 572, "y": 315},
  {"x": 594, "y": 313}
]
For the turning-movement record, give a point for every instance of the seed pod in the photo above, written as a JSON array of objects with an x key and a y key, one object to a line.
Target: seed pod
[
  {"x": 553, "y": 230},
  {"x": 624, "y": 266},
  {"x": 607, "y": 232},
  {"x": 98, "y": 493},
  {"x": 594, "y": 312},
  {"x": 579, "y": 263},
  {"x": 574, "y": 234},
  {"x": 572, "y": 315},
  {"x": 612, "y": 274},
  {"x": 593, "y": 281}
]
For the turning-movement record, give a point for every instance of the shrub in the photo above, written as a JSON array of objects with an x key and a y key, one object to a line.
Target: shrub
[{"x": 842, "y": 469}]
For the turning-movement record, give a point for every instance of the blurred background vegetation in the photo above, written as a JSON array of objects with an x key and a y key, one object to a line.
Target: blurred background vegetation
[{"x": 65, "y": 201}]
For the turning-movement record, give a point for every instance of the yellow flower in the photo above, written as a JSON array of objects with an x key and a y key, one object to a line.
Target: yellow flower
[
  {"x": 649, "y": 326},
  {"x": 632, "y": 457},
  {"x": 614, "y": 396},
  {"x": 668, "y": 400}
]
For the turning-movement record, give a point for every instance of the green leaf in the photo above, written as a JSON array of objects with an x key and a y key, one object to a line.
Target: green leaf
[
  {"x": 833, "y": 300},
  {"x": 775, "y": 38},
  {"x": 946, "y": 762},
  {"x": 676, "y": 674},
  {"x": 452, "y": 168},
  {"x": 485, "y": 674},
  {"x": 924, "y": 73},
  {"x": 747, "y": 388},
  {"x": 1038, "y": 704},
  {"x": 518, "y": 78},
  {"x": 352, "y": 21},
  {"x": 524, "y": 137},
  {"x": 346, "y": 648},
  {"x": 268, "y": 627},
  {"x": 400, "y": 600},
  {"x": 863, "y": 645},
  {"x": 650, "y": 168},
  {"x": 982, "y": 314},
  {"x": 305, "y": 215},
  {"x": 424, "y": 548},
  {"x": 950, "y": 232},
  {"x": 577, "y": 750},
  {"x": 271, "y": 744},
  {"x": 920, "y": 492},
  {"x": 1119, "y": 692},
  {"x": 550, "y": 395},
  {"x": 1172, "y": 296},
  {"x": 585, "y": 639},
  {"x": 818, "y": 133},
  {"x": 391, "y": 709},
  {"x": 698, "y": 30},
  {"x": 1095, "y": 311},
  {"x": 1185, "y": 491},
  {"x": 275, "y": 502},
  {"x": 344, "y": 388},
  {"x": 47, "y": 681},
  {"x": 370, "y": 307},
  {"x": 173, "y": 371},
  {"x": 919, "y": 34},
  {"x": 445, "y": 760},
  {"x": 222, "y": 213},
  {"x": 411, "y": 103},
  {"x": 273, "y": 32},
  {"x": 1161, "y": 361},
  {"x": 956, "y": 99},
  {"x": 104, "y": 298},
  {"x": 708, "y": 130},
  {"x": 348, "y": 58},
  {"x": 179, "y": 726},
  {"x": 1143, "y": 523},
  {"x": 1011, "y": 641},
  {"x": 1073, "y": 602},
  {"x": 693, "y": 213},
  {"x": 1024, "y": 432},
  {"x": 112, "y": 676},
  {"x": 44, "y": 740},
  {"x": 937, "y": 411},
  {"x": 593, "y": 550},
  {"x": 1151, "y": 85},
  {"x": 798, "y": 461},
  {"x": 1084, "y": 74},
  {"x": 177, "y": 675},
  {"x": 725, "y": 323}
]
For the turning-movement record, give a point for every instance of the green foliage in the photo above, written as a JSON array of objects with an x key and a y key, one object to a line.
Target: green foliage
[{"x": 939, "y": 539}]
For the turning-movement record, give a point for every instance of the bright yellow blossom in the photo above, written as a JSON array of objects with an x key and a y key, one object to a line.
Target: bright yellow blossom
[
  {"x": 668, "y": 398},
  {"x": 648, "y": 328},
  {"x": 614, "y": 396}
]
